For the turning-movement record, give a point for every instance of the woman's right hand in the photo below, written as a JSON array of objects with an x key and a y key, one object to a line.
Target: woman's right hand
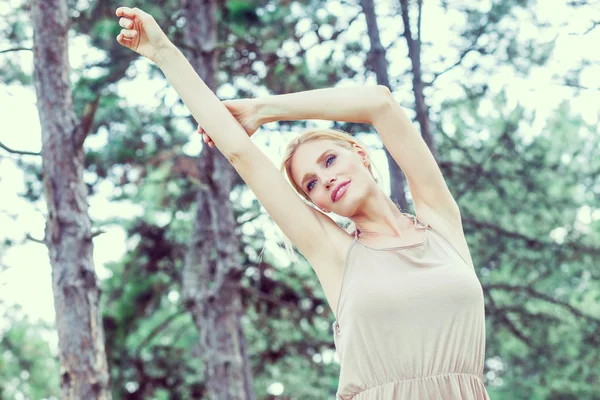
[
  {"x": 245, "y": 111},
  {"x": 141, "y": 34}
]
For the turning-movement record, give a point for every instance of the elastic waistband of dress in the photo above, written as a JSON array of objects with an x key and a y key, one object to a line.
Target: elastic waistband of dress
[{"x": 424, "y": 377}]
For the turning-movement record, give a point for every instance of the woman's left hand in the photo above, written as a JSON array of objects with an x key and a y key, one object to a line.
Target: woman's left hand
[{"x": 245, "y": 111}]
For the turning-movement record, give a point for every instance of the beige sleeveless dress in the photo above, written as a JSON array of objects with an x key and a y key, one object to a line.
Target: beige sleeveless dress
[{"x": 410, "y": 323}]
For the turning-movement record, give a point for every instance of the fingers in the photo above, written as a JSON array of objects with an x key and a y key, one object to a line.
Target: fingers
[
  {"x": 205, "y": 137},
  {"x": 130, "y": 12},
  {"x": 124, "y": 40},
  {"x": 125, "y": 12},
  {"x": 128, "y": 34},
  {"x": 126, "y": 23}
]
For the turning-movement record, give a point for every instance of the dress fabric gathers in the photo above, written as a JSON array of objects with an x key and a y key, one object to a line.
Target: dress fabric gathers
[{"x": 410, "y": 323}]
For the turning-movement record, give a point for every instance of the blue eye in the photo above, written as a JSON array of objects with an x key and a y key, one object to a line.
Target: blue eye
[{"x": 309, "y": 187}]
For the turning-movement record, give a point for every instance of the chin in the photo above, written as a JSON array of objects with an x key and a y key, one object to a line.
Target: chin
[{"x": 348, "y": 210}]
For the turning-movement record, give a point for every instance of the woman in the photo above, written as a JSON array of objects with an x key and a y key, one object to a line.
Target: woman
[{"x": 408, "y": 305}]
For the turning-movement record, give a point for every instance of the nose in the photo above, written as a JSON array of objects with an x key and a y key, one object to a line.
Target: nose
[{"x": 329, "y": 182}]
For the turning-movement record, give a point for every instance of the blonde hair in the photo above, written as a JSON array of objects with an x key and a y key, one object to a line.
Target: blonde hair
[{"x": 338, "y": 137}]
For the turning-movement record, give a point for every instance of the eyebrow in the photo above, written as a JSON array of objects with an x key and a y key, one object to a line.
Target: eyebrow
[{"x": 321, "y": 157}]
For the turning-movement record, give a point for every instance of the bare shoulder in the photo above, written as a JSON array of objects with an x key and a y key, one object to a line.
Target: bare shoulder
[{"x": 449, "y": 226}]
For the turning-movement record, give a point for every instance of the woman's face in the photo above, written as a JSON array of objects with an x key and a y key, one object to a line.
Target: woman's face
[{"x": 319, "y": 166}]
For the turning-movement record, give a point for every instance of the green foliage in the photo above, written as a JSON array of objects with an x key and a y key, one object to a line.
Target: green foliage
[
  {"x": 15, "y": 27},
  {"x": 239, "y": 13},
  {"x": 520, "y": 195},
  {"x": 27, "y": 364},
  {"x": 535, "y": 284},
  {"x": 148, "y": 332}
]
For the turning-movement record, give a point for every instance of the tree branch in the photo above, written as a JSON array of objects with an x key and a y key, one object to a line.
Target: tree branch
[
  {"x": 507, "y": 321},
  {"x": 576, "y": 86},
  {"x": 40, "y": 241},
  {"x": 419, "y": 17},
  {"x": 97, "y": 233},
  {"x": 542, "y": 296},
  {"x": 464, "y": 53},
  {"x": 334, "y": 35},
  {"x": 15, "y": 49},
  {"x": 591, "y": 28},
  {"x": 529, "y": 316},
  {"x": 85, "y": 124},
  {"x": 20, "y": 152},
  {"x": 156, "y": 330},
  {"x": 405, "y": 20},
  {"x": 531, "y": 241}
]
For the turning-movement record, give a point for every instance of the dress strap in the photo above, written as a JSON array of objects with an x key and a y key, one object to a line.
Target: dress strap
[{"x": 418, "y": 223}]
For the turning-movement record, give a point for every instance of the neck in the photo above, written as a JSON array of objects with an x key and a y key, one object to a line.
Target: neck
[{"x": 379, "y": 216}]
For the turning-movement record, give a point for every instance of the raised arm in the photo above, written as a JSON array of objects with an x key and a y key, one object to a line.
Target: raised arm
[
  {"x": 309, "y": 230},
  {"x": 142, "y": 34},
  {"x": 376, "y": 106},
  {"x": 351, "y": 104}
]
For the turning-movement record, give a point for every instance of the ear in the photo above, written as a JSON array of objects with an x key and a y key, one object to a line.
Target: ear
[{"x": 362, "y": 153}]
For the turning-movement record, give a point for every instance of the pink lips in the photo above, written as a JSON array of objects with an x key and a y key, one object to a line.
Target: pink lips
[{"x": 337, "y": 189}]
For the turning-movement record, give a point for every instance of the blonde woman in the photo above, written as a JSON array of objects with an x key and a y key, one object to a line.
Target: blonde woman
[{"x": 408, "y": 306}]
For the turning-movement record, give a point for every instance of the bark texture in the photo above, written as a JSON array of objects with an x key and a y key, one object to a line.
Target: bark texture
[
  {"x": 213, "y": 267},
  {"x": 379, "y": 65},
  {"x": 414, "y": 52},
  {"x": 84, "y": 371}
]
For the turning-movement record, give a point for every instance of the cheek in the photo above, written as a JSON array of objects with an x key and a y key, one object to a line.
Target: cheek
[
  {"x": 350, "y": 170},
  {"x": 321, "y": 199}
]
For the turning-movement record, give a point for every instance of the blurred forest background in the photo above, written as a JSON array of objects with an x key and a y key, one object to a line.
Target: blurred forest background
[{"x": 197, "y": 299}]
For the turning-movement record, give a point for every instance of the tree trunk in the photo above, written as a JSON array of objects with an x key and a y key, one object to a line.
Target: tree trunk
[
  {"x": 414, "y": 52},
  {"x": 213, "y": 268},
  {"x": 84, "y": 371},
  {"x": 379, "y": 65}
]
